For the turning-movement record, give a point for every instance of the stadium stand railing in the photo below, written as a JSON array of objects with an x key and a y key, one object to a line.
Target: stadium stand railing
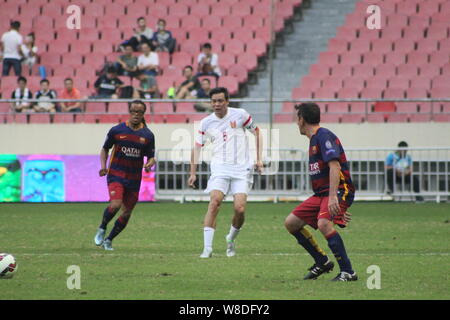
[
  {"x": 182, "y": 111},
  {"x": 286, "y": 175}
]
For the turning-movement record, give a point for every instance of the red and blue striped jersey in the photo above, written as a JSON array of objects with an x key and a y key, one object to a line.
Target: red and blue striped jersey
[
  {"x": 324, "y": 146},
  {"x": 129, "y": 149}
]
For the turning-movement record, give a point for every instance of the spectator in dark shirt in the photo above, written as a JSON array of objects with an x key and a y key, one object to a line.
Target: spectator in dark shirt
[
  {"x": 108, "y": 85},
  {"x": 44, "y": 95},
  {"x": 203, "y": 93},
  {"x": 23, "y": 93},
  {"x": 126, "y": 64},
  {"x": 162, "y": 39},
  {"x": 189, "y": 87}
]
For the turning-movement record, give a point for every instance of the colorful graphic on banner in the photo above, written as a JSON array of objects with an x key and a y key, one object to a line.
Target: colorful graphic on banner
[
  {"x": 10, "y": 178},
  {"x": 52, "y": 178}
]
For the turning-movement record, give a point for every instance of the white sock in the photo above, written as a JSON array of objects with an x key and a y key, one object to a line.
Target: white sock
[
  {"x": 233, "y": 233},
  {"x": 208, "y": 237}
]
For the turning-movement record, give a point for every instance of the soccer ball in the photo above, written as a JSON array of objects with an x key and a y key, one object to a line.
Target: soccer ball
[
  {"x": 8, "y": 266},
  {"x": 402, "y": 165}
]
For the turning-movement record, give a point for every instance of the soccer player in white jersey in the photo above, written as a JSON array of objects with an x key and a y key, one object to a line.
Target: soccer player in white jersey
[{"x": 232, "y": 165}]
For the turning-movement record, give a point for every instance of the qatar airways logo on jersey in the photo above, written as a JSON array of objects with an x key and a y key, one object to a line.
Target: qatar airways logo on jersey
[
  {"x": 314, "y": 168},
  {"x": 131, "y": 152}
]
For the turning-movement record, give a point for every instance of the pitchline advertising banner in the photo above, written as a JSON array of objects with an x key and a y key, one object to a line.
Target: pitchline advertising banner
[{"x": 53, "y": 178}]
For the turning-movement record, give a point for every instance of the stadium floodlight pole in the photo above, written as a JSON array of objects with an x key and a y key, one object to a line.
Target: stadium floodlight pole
[{"x": 271, "y": 54}]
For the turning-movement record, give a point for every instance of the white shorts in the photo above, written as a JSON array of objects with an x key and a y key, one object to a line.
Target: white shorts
[{"x": 229, "y": 184}]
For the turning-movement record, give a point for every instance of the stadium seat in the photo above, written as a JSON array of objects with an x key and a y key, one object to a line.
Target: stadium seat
[
  {"x": 185, "y": 108},
  {"x": 245, "y": 35},
  {"x": 319, "y": 70},
  {"x": 136, "y": 9},
  {"x": 399, "y": 82},
  {"x": 417, "y": 93},
  {"x": 284, "y": 117},
  {"x": 382, "y": 45},
  {"x": 311, "y": 82},
  {"x": 394, "y": 93},
  {"x": 330, "y": 118},
  {"x": 176, "y": 118},
  {"x": 221, "y": 9},
  {"x": 386, "y": 70},
  {"x": 348, "y": 93},
  {"x": 238, "y": 71},
  {"x": 200, "y": 35},
  {"x": 233, "y": 22},
  {"x": 376, "y": 117},
  {"x": 41, "y": 118},
  {"x": 178, "y": 10},
  {"x": 235, "y": 46},
  {"x": 199, "y": 10},
  {"x": 338, "y": 107},
  {"x": 63, "y": 118},
  {"x": 223, "y": 33},
  {"x": 163, "y": 107},
  {"x": 94, "y": 10},
  {"x": 363, "y": 71},
  {"x": 248, "y": 60},
  {"x": 257, "y": 47},
  {"x": 397, "y": 117},
  {"x": 21, "y": 118},
  {"x": 181, "y": 59},
  {"x": 352, "y": 118},
  {"x": 376, "y": 82},
  {"x": 95, "y": 107},
  {"x": 229, "y": 82},
  {"x": 324, "y": 93},
  {"x": 118, "y": 108},
  {"x": 350, "y": 58},
  {"x": 66, "y": 35},
  {"x": 302, "y": 93},
  {"x": 211, "y": 22},
  {"x": 191, "y": 22},
  {"x": 371, "y": 93},
  {"x": 415, "y": 117},
  {"x": 328, "y": 58}
]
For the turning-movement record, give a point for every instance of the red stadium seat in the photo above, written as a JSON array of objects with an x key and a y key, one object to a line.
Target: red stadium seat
[
  {"x": 395, "y": 58},
  {"x": 63, "y": 71},
  {"x": 191, "y": 22},
  {"x": 221, "y": 33},
  {"x": 245, "y": 35},
  {"x": 371, "y": 93},
  {"x": 350, "y": 58},
  {"x": 328, "y": 58},
  {"x": 330, "y": 118},
  {"x": 319, "y": 70},
  {"x": 334, "y": 82},
  {"x": 257, "y": 47},
  {"x": 439, "y": 57},
  {"x": 348, "y": 93},
  {"x": 179, "y": 10},
  {"x": 66, "y": 35},
  {"x": 229, "y": 82},
  {"x": 360, "y": 45},
  {"x": 414, "y": 117},
  {"x": 341, "y": 71},
  {"x": 241, "y": 9},
  {"x": 164, "y": 107},
  {"x": 238, "y": 71},
  {"x": 325, "y": 93},
  {"x": 136, "y": 9},
  {"x": 112, "y": 35},
  {"x": 394, "y": 93},
  {"x": 311, "y": 82},
  {"x": 248, "y": 60},
  {"x": 220, "y": 9},
  {"x": 199, "y": 34},
  {"x": 251, "y": 22},
  {"x": 39, "y": 118},
  {"x": 191, "y": 47},
  {"x": 119, "y": 107},
  {"x": 72, "y": 59},
  {"x": 346, "y": 32},
  {"x": 382, "y": 45},
  {"x": 374, "y": 58},
  {"x": 338, "y": 107},
  {"x": 407, "y": 70},
  {"x": 211, "y": 22},
  {"x": 176, "y": 118},
  {"x": 235, "y": 46},
  {"x": 94, "y": 10},
  {"x": 200, "y": 10},
  {"x": 352, "y": 118},
  {"x": 89, "y": 34},
  {"x": 363, "y": 71},
  {"x": 427, "y": 45},
  {"x": 226, "y": 60},
  {"x": 430, "y": 71},
  {"x": 263, "y": 33},
  {"x": 95, "y": 107},
  {"x": 112, "y": 118},
  {"x": 399, "y": 82},
  {"x": 338, "y": 45},
  {"x": 354, "y": 82},
  {"x": 181, "y": 59},
  {"x": 63, "y": 118},
  {"x": 185, "y": 108},
  {"x": 233, "y": 22},
  {"x": 385, "y": 70},
  {"x": 102, "y": 47}
]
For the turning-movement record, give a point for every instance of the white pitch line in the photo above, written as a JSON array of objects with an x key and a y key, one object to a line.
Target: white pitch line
[{"x": 218, "y": 254}]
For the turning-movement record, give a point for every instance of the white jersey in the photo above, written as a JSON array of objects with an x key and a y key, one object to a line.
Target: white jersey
[{"x": 231, "y": 154}]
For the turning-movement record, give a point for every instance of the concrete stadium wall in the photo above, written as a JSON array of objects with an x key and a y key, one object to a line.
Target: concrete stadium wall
[{"x": 88, "y": 138}]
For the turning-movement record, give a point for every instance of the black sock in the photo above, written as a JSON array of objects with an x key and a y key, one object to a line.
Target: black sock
[
  {"x": 120, "y": 224},
  {"x": 108, "y": 214},
  {"x": 337, "y": 247},
  {"x": 307, "y": 241}
]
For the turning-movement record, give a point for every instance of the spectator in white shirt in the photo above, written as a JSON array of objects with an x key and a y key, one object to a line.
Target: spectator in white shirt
[
  {"x": 148, "y": 61},
  {"x": 208, "y": 62},
  {"x": 11, "y": 42},
  {"x": 142, "y": 34},
  {"x": 29, "y": 50}
]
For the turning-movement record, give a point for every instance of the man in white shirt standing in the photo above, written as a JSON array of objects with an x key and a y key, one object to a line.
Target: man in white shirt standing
[
  {"x": 11, "y": 42},
  {"x": 231, "y": 164}
]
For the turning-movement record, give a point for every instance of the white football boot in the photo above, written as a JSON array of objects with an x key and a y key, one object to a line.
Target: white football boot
[
  {"x": 99, "y": 236},
  {"x": 207, "y": 253}
]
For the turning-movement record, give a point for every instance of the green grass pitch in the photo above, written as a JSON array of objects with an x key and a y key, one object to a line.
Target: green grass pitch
[{"x": 156, "y": 256}]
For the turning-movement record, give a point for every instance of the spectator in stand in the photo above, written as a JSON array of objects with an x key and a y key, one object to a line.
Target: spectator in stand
[
  {"x": 188, "y": 88},
  {"x": 148, "y": 88},
  {"x": 29, "y": 50},
  {"x": 126, "y": 64},
  {"x": 162, "y": 39},
  {"x": 208, "y": 62},
  {"x": 108, "y": 85},
  {"x": 69, "y": 92},
  {"x": 142, "y": 34},
  {"x": 203, "y": 93},
  {"x": 10, "y": 45},
  {"x": 22, "y": 93},
  {"x": 44, "y": 95},
  {"x": 148, "y": 61}
]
